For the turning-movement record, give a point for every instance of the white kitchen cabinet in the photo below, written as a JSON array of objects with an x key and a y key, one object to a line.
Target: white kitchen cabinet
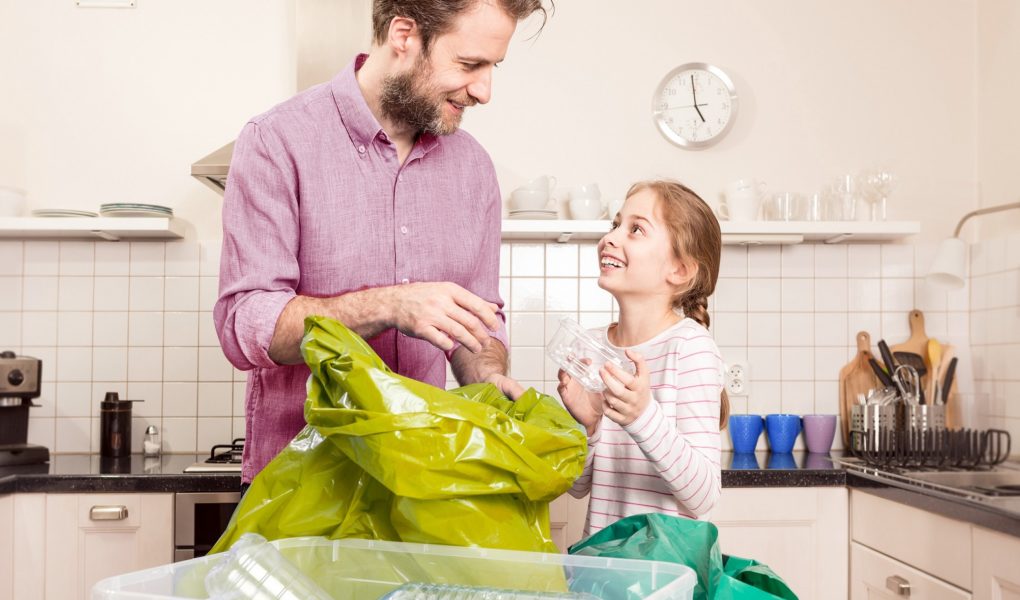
[
  {"x": 29, "y": 545},
  {"x": 928, "y": 542},
  {"x": 875, "y": 575},
  {"x": 996, "y": 565},
  {"x": 800, "y": 533},
  {"x": 566, "y": 520},
  {"x": 6, "y": 547},
  {"x": 89, "y": 537}
]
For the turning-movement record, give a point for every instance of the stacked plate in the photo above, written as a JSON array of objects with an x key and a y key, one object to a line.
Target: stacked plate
[
  {"x": 62, "y": 212},
  {"x": 533, "y": 214},
  {"x": 128, "y": 209}
]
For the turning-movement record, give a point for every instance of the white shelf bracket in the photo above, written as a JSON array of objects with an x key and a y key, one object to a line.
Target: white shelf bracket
[
  {"x": 564, "y": 237},
  {"x": 842, "y": 237},
  {"x": 105, "y": 235}
]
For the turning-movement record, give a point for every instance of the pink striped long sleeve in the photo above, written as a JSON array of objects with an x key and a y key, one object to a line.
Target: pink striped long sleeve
[{"x": 668, "y": 459}]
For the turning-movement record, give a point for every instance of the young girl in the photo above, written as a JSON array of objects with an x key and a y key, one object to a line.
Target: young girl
[{"x": 654, "y": 436}]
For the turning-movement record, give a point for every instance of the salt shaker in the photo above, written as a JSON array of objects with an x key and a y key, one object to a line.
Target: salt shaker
[{"x": 151, "y": 445}]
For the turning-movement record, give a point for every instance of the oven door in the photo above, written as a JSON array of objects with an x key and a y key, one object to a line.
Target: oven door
[{"x": 199, "y": 520}]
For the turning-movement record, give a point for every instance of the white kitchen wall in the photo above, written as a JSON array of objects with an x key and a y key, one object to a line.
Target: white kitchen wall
[{"x": 135, "y": 317}]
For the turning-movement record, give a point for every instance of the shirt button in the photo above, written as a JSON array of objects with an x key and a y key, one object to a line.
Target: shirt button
[
  {"x": 404, "y": 280},
  {"x": 403, "y": 230},
  {"x": 361, "y": 149}
]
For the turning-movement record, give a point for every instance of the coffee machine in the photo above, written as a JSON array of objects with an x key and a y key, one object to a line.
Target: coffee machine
[{"x": 20, "y": 379}]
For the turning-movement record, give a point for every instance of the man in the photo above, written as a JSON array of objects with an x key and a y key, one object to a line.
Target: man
[{"x": 359, "y": 199}]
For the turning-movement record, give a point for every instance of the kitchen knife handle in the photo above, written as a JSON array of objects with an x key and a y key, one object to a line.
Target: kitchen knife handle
[
  {"x": 887, "y": 357},
  {"x": 947, "y": 383},
  {"x": 881, "y": 374}
]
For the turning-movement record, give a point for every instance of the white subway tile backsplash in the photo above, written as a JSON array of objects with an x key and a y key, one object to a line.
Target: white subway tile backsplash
[
  {"x": 151, "y": 393},
  {"x": 798, "y": 398},
  {"x": 527, "y": 293},
  {"x": 73, "y": 435},
  {"x": 109, "y": 329},
  {"x": 182, "y": 259},
  {"x": 764, "y": 295},
  {"x": 831, "y": 295},
  {"x": 733, "y": 262},
  {"x": 12, "y": 258},
  {"x": 111, "y": 293},
  {"x": 113, "y": 260},
  {"x": 208, "y": 292},
  {"x": 865, "y": 295},
  {"x": 39, "y": 293},
  {"x": 592, "y": 297},
  {"x": 109, "y": 364},
  {"x": 527, "y": 363},
  {"x": 10, "y": 326},
  {"x": 145, "y": 328},
  {"x": 897, "y": 260},
  {"x": 74, "y": 364},
  {"x": 764, "y": 261},
  {"x": 830, "y": 329},
  {"x": 147, "y": 258},
  {"x": 897, "y": 295},
  {"x": 213, "y": 430},
  {"x": 77, "y": 258},
  {"x": 38, "y": 328},
  {"x": 595, "y": 320},
  {"x": 180, "y": 364},
  {"x": 180, "y": 328},
  {"x": 209, "y": 258},
  {"x": 864, "y": 260},
  {"x": 146, "y": 293},
  {"x": 215, "y": 399},
  {"x": 75, "y": 293},
  {"x": 798, "y": 363},
  {"x": 74, "y": 329},
  {"x": 731, "y": 295},
  {"x": 527, "y": 329},
  {"x": 561, "y": 260},
  {"x": 207, "y": 330},
  {"x": 527, "y": 260},
  {"x": 504, "y": 259},
  {"x": 42, "y": 258},
  {"x": 764, "y": 363},
  {"x": 798, "y": 329},
  {"x": 181, "y": 293},
  {"x": 42, "y": 431},
  {"x": 730, "y": 329},
  {"x": 588, "y": 255},
  {"x": 180, "y": 399},
  {"x": 829, "y": 361},
  {"x": 798, "y": 295},
  {"x": 764, "y": 329},
  {"x": 213, "y": 365},
  {"x": 145, "y": 363},
  {"x": 74, "y": 399},
  {"x": 831, "y": 261},
  {"x": 179, "y": 435},
  {"x": 798, "y": 260},
  {"x": 895, "y": 326},
  {"x": 11, "y": 298},
  {"x": 561, "y": 294}
]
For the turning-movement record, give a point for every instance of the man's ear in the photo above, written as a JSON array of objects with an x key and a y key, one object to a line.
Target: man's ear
[
  {"x": 682, "y": 273},
  {"x": 403, "y": 36}
]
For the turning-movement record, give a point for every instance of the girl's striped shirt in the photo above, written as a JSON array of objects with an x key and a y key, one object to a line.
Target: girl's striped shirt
[{"x": 667, "y": 460}]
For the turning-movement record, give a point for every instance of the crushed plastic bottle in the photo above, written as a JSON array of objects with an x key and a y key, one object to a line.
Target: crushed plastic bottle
[
  {"x": 253, "y": 569},
  {"x": 438, "y": 591}
]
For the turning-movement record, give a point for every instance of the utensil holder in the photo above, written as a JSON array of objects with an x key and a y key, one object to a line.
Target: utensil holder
[
  {"x": 870, "y": 420},
  {"x": 924, "y": 417}
]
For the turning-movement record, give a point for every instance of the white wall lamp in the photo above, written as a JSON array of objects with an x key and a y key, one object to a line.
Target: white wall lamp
[{"x": 949, "y": 269}]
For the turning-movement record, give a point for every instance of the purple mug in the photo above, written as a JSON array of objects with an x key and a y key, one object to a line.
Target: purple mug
[{"x": 819, "y": 431}]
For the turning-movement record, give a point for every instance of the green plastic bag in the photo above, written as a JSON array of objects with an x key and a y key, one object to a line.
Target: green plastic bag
[
  {"x": 390, "y": 458},
  {"x": 692, "y": 543}
]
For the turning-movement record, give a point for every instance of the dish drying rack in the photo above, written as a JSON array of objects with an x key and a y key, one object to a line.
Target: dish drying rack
[{"x": 930, "y": 448}]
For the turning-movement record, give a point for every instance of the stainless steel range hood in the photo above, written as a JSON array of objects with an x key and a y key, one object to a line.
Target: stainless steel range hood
[{"x": 327, "y": 35}]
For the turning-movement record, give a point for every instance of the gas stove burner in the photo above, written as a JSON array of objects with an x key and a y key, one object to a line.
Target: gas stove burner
[
  {"x": 230, "y": 453},
  {"x": 223, "y": 458}
]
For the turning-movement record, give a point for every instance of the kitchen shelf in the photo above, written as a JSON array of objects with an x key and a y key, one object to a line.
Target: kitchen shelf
[
  {"x": 757, "y": 232},
  {"x": 91, "y": 228}
]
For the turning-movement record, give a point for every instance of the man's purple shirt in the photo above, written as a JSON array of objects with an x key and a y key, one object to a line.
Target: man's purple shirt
[{"x": 317, "y": 204}]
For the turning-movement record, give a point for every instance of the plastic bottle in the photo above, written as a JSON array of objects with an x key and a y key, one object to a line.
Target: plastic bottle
[{"x": 254, "y": 569}]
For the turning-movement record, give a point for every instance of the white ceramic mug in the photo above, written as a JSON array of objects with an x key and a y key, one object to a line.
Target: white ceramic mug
[
  {"x": 542, "y": 183},
  {"x": 742, "y": 200}
]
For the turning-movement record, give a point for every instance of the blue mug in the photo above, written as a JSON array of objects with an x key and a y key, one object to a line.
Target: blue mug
[
  {"x": 744, "y": 432},
  {"x": 782, "y": 431}
]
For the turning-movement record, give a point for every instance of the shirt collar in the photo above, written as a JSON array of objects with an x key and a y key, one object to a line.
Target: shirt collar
[{"x": 361, "y": 124}]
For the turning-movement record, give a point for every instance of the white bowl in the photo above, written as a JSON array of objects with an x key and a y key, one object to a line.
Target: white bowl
[{"x": 12, "y": 202}]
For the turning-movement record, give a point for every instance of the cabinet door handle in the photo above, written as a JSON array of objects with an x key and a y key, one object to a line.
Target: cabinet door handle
[
  {"x": 898, "y": 585},
  {"x": 108, "y": 513}
]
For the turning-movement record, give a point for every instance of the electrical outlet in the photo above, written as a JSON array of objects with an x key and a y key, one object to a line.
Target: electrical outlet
[{"x": 738, "y": 379}]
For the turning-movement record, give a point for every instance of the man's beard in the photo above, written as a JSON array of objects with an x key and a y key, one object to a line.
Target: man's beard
[{"x": 408, "y": 98}]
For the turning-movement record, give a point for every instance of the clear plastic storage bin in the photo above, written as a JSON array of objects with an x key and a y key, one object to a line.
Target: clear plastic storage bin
[
  {"x": 578, "y": 353},
  {"x": 370, "y": 570}
]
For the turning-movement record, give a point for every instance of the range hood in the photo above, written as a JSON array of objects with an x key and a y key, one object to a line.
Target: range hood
[{"x": 327, "y": 35}]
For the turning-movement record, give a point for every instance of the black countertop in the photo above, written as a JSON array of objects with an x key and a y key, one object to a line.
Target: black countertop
[
  {"x": 74, "y": 473},
  {"x": 77, "y": 473}
]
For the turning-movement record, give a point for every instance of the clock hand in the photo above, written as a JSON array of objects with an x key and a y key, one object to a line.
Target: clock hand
[
  {"x": 669, "y": 108},
  {"x": 695, "y": 93}
]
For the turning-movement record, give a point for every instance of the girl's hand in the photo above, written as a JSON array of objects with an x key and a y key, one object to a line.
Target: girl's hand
[
  {"x": 584, "y": 406},
  {"x": 626, "y": 395}
]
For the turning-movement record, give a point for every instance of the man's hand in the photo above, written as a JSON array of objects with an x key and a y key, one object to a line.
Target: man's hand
[
  {"x": 510, "y": 387},
  {"x": 441, "y": 313}
]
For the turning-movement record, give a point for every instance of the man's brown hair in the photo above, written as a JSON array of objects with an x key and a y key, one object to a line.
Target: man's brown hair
[{"x": 436, "y": 17}]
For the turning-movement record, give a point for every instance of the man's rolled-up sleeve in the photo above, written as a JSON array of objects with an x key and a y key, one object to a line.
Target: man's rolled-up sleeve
[{"x": 259, "y": 269}]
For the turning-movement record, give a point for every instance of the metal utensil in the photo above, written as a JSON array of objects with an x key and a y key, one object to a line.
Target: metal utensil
[
  {"x": 917, "y": 362},
  {"x": 908, "y": 383}
]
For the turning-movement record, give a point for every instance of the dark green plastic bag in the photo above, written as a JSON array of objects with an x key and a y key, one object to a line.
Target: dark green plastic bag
[
  {"x": 691, "y": 543},
  {"x": 390, "y": 458}
]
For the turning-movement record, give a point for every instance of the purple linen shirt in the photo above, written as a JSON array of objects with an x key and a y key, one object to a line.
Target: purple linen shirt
[{"x": 317, "y": 204}]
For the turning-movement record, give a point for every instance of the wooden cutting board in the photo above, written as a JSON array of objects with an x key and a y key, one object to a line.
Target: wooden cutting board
[
  {"x": 918, "y": 342},
  {"x": 856, "y": 377}
]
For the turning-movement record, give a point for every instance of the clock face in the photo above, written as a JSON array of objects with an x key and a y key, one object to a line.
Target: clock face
[{"x": 694, "y": 105}]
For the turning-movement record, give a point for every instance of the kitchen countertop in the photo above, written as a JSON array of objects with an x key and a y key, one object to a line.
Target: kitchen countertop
[
  {"x": 74, "y": 473},
  {"x": 84, "y": 473}
]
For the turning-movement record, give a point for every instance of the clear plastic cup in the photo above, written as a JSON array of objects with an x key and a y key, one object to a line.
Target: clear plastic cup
[
  {"x": 253, "y": 569},
  {"x": 440, "y": 591},
  {"x": 581, "y": 355}
]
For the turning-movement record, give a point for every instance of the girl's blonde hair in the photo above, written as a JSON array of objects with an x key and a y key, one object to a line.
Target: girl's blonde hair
[{"x": 696, "y": 237}]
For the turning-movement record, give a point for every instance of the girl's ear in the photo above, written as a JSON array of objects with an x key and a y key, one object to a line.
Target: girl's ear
[{"x": 682, "y": 273}]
